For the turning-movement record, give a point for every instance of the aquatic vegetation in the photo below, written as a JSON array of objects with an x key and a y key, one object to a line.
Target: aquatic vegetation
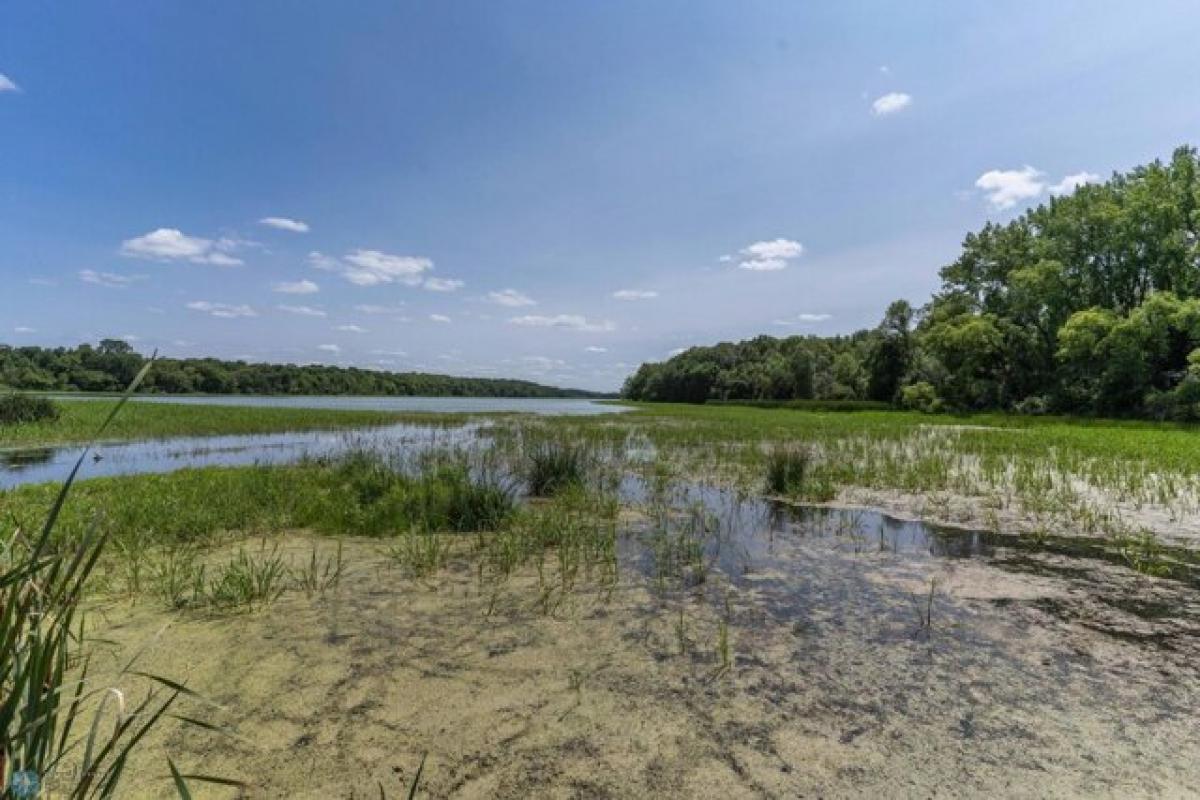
[
  {"x": 44, "y": 668},
  {"x": 17, "y": 408},
  {"x": 1144, "y": 553},
  {"x": 925, "y": 611},
  {"x": 787, "y": 468},
  {"x": 553, "y": 466},
  {"x": 421, "y": 552}
]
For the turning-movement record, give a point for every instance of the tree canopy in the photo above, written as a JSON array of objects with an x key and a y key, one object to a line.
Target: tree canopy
[
  {"x": 1089, "y": 303},
  {"x": 113, "y": 363}
]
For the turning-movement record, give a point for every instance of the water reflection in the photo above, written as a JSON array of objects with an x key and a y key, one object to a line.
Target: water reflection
[{"x": 43, "y": 464}]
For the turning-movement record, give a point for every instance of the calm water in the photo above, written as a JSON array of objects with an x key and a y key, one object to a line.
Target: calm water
[
  {"x": 41, "y": 464},
  {"x": 444, "y": 405}
]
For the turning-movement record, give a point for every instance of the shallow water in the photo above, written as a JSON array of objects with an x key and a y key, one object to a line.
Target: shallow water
[
  {"x": 43, "y": 464},
  {"x": 435, "y": 405},
  {"x": 53, "y": 463},
  {"x": 784, "y": 553}
]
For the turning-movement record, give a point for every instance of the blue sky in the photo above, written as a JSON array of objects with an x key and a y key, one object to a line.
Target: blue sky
[{"x": 556, "y": 191}]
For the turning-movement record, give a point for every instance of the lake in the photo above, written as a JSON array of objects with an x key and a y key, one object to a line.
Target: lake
[
  {"x": 52, "y": 463},
  {"x": 439, "y": 405}
]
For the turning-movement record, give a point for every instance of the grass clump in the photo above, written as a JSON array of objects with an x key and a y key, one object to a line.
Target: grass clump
[
  {"x": 22, "y": 409},
  {"x": 788, "y": 469},
  {"x": 553, "y": 466}
]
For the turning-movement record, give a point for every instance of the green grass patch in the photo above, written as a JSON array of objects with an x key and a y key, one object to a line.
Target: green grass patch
[{"x": 80, "y": 418}]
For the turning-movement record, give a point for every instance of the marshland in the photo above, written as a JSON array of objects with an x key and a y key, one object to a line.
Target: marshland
[
  {"x": 660, "y": 600},
  {"x": 599, "y": 400}
]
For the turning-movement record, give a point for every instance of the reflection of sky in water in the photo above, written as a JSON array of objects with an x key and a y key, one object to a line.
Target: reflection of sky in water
[
  {"x": 42, "y": 464},
  {"x": 441, "y": 405},
  {"x": 164, "y": 455}
]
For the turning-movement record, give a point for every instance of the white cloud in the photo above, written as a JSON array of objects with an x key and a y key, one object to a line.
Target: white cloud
[
  {"x": 373, "y": 267},
  {"x": 511, "y": 298},
  {"x": 676, "y": 351},
  {"x": 43, "y": 282},
  {"x": 296, "y": 287},
  {"x": 399, "y": 353},
  {"x": 171, "y": 244},
  {"x": 223, "y": 310},
  {"x": 329, "y": 348},
  {"x": 321, "y": 261},
  {"x": 574, "y": 322},
  {"x": 1072, "y": 182},
  {"x": 443, "y": 284},
  {"x": 634, "y": 294},
  {"x": 23, "y": 329},
  {"x": 767, "y": 256},
  {"x": 891, "y": 103},
  {"x": 351, "y": 328},
  {"x": 594, "y": 349},
  {"x": 110, "y": 279},
  {"x": 285, "y": 224},
  {"x": 304, "y": 311},
  {"x": 368, "y": 308},
  {"x": 813, "y": 317},
  {"x": 7, "y": 84},
  {"x": 439, "y": 318},
  {"x": 1007, "y": 187}
]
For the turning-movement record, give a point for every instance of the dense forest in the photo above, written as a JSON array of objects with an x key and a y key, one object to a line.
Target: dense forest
[
  {"x": 1089, "y": 304},
  {"x": 112, "y": 364}
]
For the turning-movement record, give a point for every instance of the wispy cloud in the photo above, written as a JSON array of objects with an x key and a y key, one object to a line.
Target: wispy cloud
[
  {"x": 442, "y": 284},
  {"x": 109, "y": 279},
  {"x": 351, "y": 328},
  {"x": 171, "y": 244},
  {"x": 813, "y": 317},
  {"x": 329, "y": 348},
  {"x": 43, "y": 282},
  {"x": 768, "y": 255},
  {"x": 1005, "y": 188},
  {"x": 573, "y": 322},
  {"x": 374, "y": 267},
  {"x": 634, "y": 294},
  {"x": 23, "y": 329},
  {"x": 304, "y": 286},
  {"x": 7, "y": 84},
  {"x": 304, "y": 311},
  {"x": 595, "y": 349},
  {"x": 368, "y": 308},
  {"x": 439, "y": 318},
  {"x": 511, "y": 298},
  {"x": 223, "y": 310},
  {"x": 891, "y": 103},
  {"x": 285, "y": 224}
]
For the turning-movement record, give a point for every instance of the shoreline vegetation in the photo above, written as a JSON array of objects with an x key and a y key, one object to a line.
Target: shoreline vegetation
[
  {"x": 79, "y": 418},
  {"x": 110, "y": 365},
  {"x": 1088, "y": 304},
  {"x": 562, "y": 560}
]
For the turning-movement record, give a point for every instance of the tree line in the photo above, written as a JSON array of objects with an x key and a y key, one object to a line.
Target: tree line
[
  {"x": 1087, "y": 304},
  {"x": 112, "y": 364}
]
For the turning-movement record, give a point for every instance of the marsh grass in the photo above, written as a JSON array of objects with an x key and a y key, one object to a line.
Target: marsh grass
[
  {"x": 79, "y": 419},
  {"x": 17, "y": 408},
  {"x": 554, "y": 466},
  {"x": 421, "y": 552},
  {"x": 45, "y": 692}
]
